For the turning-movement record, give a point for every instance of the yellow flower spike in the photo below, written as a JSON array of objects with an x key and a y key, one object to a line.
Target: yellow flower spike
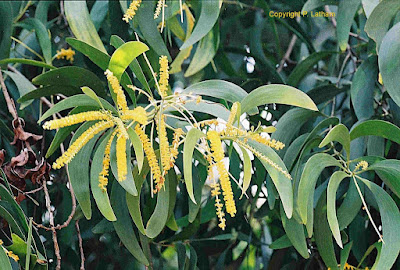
[
  {"x": 164, "y": 145},
  {"x": 264, "y": 158},
  {"x": 12, "y": 255},
  {"x": 232, "y": 115},
  {"x": 80, "y": 142},
  {"x": 160, "y": 5},
  {"x": 175, "y": 143},
  {"x": 66, "y": 54},
  {"x": 164, "y": 76},
  {"x": 215, "y": 191},
  {"x": 380, "y": 78},
  {"x": 218, "y": 155},
  {"x": 103, "y": 176},
  {"x": 76, "y": 119},
  {"x": 138, "y": 114},
  {"x": 116, "y": 87},
  {"x": 363, "y": 165},
  {"x": 121, "y": 156},
  {"x": 151, "y": 158},
  {"x": 198, "y": 99},
  {"x": 271, "y": 143},
  {"x": 131, "y": 11}
]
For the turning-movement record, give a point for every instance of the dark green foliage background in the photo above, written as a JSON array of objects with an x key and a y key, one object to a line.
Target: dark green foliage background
[{"x": 338, "y": 70}]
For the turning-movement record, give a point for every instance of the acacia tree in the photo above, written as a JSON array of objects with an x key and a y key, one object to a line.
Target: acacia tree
[{"x": 199, "y": 134}]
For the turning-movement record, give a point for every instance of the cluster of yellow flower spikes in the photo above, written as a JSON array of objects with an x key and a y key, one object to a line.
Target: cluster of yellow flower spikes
[
  {"x": 131, "y": 11},
  {"x": 66, "y": 54},
  {"x": 164, "y": 76},
  {"x": 80, "y": 142},
  {"x": 106, "y": 120},
  {"x": 9, "y": 253}
]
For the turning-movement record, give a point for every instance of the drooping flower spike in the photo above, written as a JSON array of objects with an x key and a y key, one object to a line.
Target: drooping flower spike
[{"x": 131, "y": 11}]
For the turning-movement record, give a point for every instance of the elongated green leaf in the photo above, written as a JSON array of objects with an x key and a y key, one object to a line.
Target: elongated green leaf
[
  {"x": 313, "y": 4},
  {"x": 133, "y": 202},
  {"x": 73, "y": 76},
  {"x": 137, "y": 147},
  {"x": 205, "y": 52},
  {"x": 362, "y": 88},
  {"x": 160, "y": 215},
  {"x": 214, "y": 109},
  {"x": 75, "y": 101},
  {"x": 6, "y": 213},
  {"x": 123, "y": 224},
  {"x": 325, "y": 93},
  {"x": 28, "y": 245},
  {"x": 98, "y": 13},
  {"x": 333, "y": 185},
  {"x": 4, "y": 261},
  {"x": 42, "y": 36},
  {"x": 389, "y": 63},
  {"x": 23, "y": 84},
  {"x": 313, "y": 168},
  {"x": 345, "y": 14},
  {"x": 208, "y": 17},
  {"x": 6, "y": 20},
  {"x": 49, "y": 90},
  {"x": 19, "y": 214},
  {"x": 344, "y": 255},
  {"x": 128, "y": 184},
  {"x": 97, "y": 56},
  {"x": 350, "y": 206},
  {"x": 389, "y": 171},
  {"x": 81, "y": 24},
  {"x": 78, "y": 170},
  {"x": 148, "y": 27},
  {"x": 20, "y": 247},
  {"x": 280, "y": 243},
  {"x": 304, "y": 67},
  {"x": 379, "y": 21},
  {"x": 295, "y": 233},
  {"x": 190, "y": 142},
  {"x": 390, "y": 217},
  {"x": 124, "y": 55},
  {"x": 246, "y": 171},
  {"x": 369, "y": 6},
  {"x": 376, "y": 128},
  {"x": 219, "y": 89},
  {"x": 90, "y": 93},
  {"x": 101, "y": 197},
  {"x": 276, "y": 93},
  {"x": 322, "y": 234},
  {"x": 281, "y": 182},
  {"x": 289, "y": 125},
  {"x": 26, "y": 62},
  {"x": 134, "y": 65},
  {"x": 340, "y": 134}
]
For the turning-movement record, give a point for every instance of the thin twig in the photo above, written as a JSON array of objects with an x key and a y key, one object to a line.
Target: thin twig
[
  {"x": 78, "y": 232},
  {"x": 9, "y": 101},
  {"x": 366, "y": 208},
  {"x": 51, "y": 221},
  {"x": 288, "y": 53}
]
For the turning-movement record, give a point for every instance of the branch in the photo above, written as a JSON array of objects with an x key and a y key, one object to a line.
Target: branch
[
  {"x": 78, "y": 231},
  {"x": 9, "y": 101}
]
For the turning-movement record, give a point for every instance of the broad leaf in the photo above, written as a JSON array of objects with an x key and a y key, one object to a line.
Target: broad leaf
[
  {"x": 276, "y": 93},
  {"x": 340, "y": 134},
  {"x": 376, "y": 128}
]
